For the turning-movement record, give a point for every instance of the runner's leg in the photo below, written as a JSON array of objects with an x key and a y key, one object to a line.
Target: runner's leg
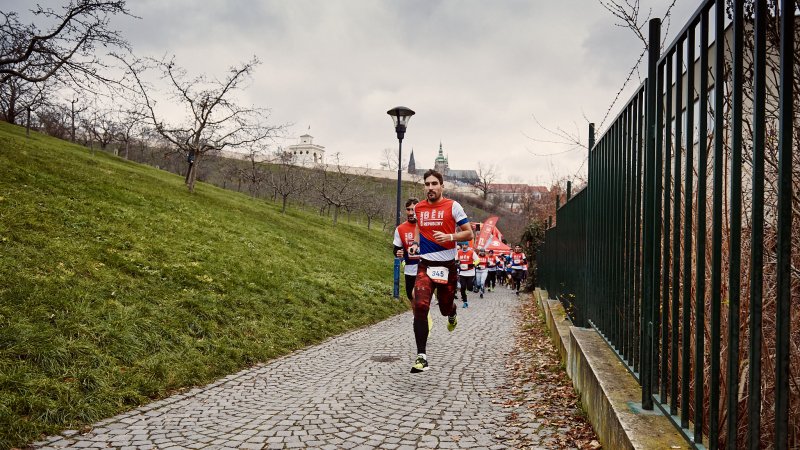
[
  {"x": 422, "y": 303},
  {"x": 446, "y": 294},
  {"x": 410, "y": 281}
]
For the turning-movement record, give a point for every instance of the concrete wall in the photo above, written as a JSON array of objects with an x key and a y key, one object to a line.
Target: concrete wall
[{"x": 610, "y": 395}]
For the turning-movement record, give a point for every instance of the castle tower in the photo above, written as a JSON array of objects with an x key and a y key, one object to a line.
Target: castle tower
[
  {"x": 440, "y": 164},
  {"x": 412, "y": 166}
]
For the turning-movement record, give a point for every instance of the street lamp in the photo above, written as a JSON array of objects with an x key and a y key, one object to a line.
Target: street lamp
[{"x": 400, "y": 115}]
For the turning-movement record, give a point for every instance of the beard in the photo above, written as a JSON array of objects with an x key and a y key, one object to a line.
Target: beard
[
  {"x": 412, "y": 219},
  {"x": 433, "y": 196}
]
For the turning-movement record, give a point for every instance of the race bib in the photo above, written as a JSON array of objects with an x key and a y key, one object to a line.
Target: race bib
[
  {"x": 438, "y": 274},
  {"x": 464, "y": 266}
]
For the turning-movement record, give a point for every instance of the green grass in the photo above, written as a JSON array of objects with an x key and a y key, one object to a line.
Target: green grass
[{"x": 117, "y": 286}]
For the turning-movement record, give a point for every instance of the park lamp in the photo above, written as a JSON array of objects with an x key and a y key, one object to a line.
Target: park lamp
[{"x": 400, "y": 115}]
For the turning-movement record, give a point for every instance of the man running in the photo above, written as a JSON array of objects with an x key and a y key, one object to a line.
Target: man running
[
  {"x": 491, "y": 262},
  {"x": 467, "y": 259},
  {"x": 501, "y": 270},
  {"x": 403, "y": 238},
  {"x": 481, "y": 271},
  {"x": 441, "y": 222},
  {"x": 517, "y": 262}
]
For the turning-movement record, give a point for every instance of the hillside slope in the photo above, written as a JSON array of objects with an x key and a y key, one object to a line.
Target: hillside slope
[{"x": 118, "y": 286}]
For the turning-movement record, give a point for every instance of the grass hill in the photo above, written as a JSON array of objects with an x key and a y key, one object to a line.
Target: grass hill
[{"x": 117, "y": 286}]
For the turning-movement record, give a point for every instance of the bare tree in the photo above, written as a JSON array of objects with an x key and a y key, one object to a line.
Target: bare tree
[
  {"x": 253, "y": 170},
  {"x": 487, "y": 174},
  {"x": 101, "y": 127},
  {"x": 54, "y": 120},
  {"x": 390, "y": 158},
  {"x": 65, "y": 47},
  {"x": 338, "y": 188},
  {"x": 213, "y": 119},
  {"x": 373, "y": 206},
  {"x": 286, "y": 178},
  {"x": 17, "y": 97},
  {"x": 130, "y": 124}
]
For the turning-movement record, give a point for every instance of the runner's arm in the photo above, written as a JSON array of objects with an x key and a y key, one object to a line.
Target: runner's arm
[
  {"x": 465, "y": 233},
  {"x": 415, "y": 244},
  {"x": 398, "y": 244}
]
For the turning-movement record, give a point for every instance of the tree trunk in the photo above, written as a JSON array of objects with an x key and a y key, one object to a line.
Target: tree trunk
[
  {"x": 11, "y": 113},
  {"x": 188, "y": 173},
  {"x": 335, "y": 215},
  {"x": 283, "y": 208},
  {"x": 193, "y": 173},
  {"x": 369, "y": 223}
]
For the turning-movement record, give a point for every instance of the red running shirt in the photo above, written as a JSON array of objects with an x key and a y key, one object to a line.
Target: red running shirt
[
  {"x": 446, "y": 216},
  {"x": 404, "y": 237}
]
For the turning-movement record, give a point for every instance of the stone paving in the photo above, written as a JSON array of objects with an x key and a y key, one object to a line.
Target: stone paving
[{"x": 350, "y": 392}]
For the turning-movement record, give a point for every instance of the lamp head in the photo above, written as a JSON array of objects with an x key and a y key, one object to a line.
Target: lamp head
[{"x": 400, "y": 116}]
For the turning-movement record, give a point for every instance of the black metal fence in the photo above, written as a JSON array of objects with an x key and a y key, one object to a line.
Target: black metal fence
[{"x": 630, "y": 253}]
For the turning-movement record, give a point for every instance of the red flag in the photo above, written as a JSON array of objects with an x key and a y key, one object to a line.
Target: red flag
[{"x": 487, "y": 231}]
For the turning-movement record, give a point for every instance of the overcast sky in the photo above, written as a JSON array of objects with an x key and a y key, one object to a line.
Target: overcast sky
[{"x": 475, "y": 71}]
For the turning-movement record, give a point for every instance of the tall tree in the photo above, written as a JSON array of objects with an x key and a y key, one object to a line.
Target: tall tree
[
  {"x": 212, "y": 120},
  {"x": 374, "y": 206},
  {"x": 389, "y": 160},
  {"x": 286, "y": 178},
  {"x": 339, "y": 188},
  {"x": 487, "y": 174}
]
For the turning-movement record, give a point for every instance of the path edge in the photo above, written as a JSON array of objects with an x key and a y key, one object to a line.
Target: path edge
[{"x": 610, "y": 395}]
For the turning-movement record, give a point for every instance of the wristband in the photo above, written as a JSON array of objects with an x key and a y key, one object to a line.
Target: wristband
[{"x": 451, "y": 237}]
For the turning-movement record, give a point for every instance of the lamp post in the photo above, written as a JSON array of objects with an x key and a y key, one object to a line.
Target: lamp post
[{"x": 400, "y": 115}]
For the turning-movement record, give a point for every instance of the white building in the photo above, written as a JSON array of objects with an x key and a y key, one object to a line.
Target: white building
[{"x": 306, "y": 153}]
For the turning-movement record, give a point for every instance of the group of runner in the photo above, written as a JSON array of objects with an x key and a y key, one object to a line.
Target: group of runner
[{"x": 434, "y": 265}]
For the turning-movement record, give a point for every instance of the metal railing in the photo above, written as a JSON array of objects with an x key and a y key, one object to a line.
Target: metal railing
[{"x": 629, "y": 253}]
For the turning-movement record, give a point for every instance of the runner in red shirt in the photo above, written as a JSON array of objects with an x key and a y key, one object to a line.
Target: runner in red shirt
[
  {"x": 467, "y": 260},
  {"x": 518, "y": 261},
  {"x": 481, "y": 271},
  {"x": 403, "y": 238},
  {"x": 492, "y": 275},
  {"x": 441, "y": 222}
]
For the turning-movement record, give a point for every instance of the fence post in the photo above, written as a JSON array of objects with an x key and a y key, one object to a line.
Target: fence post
[
  {"x": 649, "y": 217},
  {"x": 784, "y": 299},
  {"x": 569, "y": 190},
  {"x": 589, "y": 262}
]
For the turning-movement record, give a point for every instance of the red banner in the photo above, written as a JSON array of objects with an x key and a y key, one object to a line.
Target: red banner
[{"x": 487, "y": 231}]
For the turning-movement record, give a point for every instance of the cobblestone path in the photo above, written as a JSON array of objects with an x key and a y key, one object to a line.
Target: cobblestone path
[{"x": 352, "y": 391}]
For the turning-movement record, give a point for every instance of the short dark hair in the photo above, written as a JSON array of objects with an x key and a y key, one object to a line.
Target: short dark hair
[
  {"x": 412, "y": 201},
  {"x": 435, "y": 173}
]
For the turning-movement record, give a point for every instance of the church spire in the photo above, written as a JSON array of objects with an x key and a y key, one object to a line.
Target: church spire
[{"x": 412, "y": 166}]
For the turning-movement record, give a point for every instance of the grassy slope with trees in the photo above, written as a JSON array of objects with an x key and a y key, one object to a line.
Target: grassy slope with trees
[{"x": 119, "y": 286}]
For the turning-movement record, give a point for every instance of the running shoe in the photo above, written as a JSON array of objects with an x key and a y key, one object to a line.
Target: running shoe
[
  {"x": 481, "y": 294},
  {"x": 452, "y": 321},
  {"x": 430, "y": 321},
  {"x": 420, "y": 365},
  {"x": 466, "y": 305}
]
